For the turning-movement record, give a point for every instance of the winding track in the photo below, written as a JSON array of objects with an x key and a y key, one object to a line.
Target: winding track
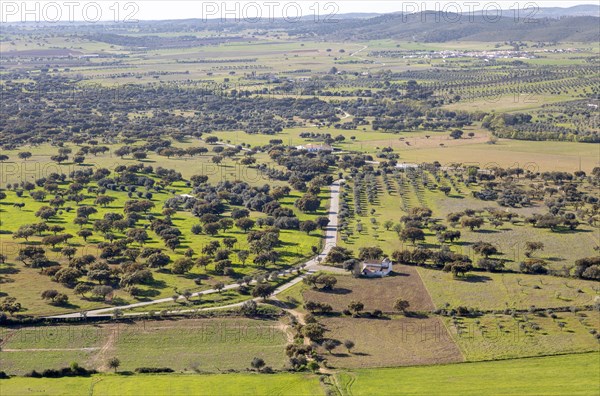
[
  {"x": 376, "y": 62},
  {"x": 311, "y": 265}
]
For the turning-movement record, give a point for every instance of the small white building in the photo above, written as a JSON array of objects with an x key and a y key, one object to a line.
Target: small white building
[
  {"x": 407, "y": 166},
  {"x": 311, "y": 148},
  {"x": 376, "y": 268}
]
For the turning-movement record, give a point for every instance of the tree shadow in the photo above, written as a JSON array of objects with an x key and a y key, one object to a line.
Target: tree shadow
[
  {"x": 393, "y": 274},
  {"x": 204, "y": 276},
  {"x": 157, "y": 284},
  {"x": 281, "y": 304},
  {"x": 341, "y": 354},
  {"x": 187, "y": 275},
  {"x": 9, "y": 269},
  {"x": 415, "y": 315},
  {"x": 576, "y": 231},
  {"x": 66, "y": 305},
  {"x": 289, "y": 254},
  {"x": 474, "y": 278},
  {"x": 118, "y": 301},
  {"x": 371, "y": 316},
  {"x": 337, "y": 290},
  {"x": 144, "y": 295},
  {"x": 56, "y": 221},
  {"x": 462, "y": 243},
  {"x": 427, "y": 245},
  {"x": 284, "y": 243}
]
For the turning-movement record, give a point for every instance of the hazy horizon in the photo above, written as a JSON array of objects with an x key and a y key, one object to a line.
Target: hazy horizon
[{"x": 150, "y": 10}]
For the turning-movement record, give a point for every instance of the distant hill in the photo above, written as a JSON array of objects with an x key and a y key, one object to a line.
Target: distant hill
[
  {"x": 580, "y": 10},
  {"x": 357, "y": 15},
  {"x": 554, "y": 24},
  {"x": 424, "y": 27},
  {"x": 545, "y": 12}
]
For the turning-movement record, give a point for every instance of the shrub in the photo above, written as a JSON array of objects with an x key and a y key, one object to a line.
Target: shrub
[
  {"x": 74, "y": 371},
  {"x": 533, "y": 266},
  {"x": 153, "y": 370},
  {"x": 33, "y": 374}
]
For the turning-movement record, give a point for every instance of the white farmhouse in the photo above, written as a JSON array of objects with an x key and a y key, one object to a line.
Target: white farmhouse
[
  {"x": 312, "y": 148},
  {"x": 376, "y": 269}
]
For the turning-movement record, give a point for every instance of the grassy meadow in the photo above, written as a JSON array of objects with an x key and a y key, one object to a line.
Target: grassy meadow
[
  {"x": 493, "y": 291},
  {"x": 568, "y": 374},
  {"x": 493, "y": 337},
  {"x": 222, "y": 384},
  {"x": 195, "y": 345}
]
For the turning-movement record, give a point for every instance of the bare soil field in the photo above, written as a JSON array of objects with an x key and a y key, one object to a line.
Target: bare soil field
[
  {"x": 377, "y": 293},
  {"x": 390, "y": 342}
]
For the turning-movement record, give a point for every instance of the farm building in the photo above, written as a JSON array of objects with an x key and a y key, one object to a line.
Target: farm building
[
  {"x": 407, "y": 166},
  {"x": 315, "y": 147},
  {"x": 376, "y": 268}
]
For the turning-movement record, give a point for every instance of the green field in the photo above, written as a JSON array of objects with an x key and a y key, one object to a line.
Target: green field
[
  {"x": 567, "y": 374},
  {"x": 492, "y": 337},
  {"x": 492, "y": 291},
  {"x": 203, "y": 345},
  {"x": 559, "y": 375},
  {"x": 222, "y": 384}
]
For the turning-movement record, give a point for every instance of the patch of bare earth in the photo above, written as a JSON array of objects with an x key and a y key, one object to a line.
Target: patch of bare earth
[
  {"x": 107, "y": 350},
  {"x": 390, "y": 342},
  {"x": 287, "y": 329},
  {"x": 376, "y": 293}
]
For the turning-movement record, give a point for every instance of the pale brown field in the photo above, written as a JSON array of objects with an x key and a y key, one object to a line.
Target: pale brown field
[
  {"x": 377, "y": 293},
  {"x": 390, "y": 342}
]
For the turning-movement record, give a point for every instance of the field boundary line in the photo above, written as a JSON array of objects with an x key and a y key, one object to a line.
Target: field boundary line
[
  {"x": 335, "y": 384},
  {"x": 462, "y": 353},
  {"x": 425, "y": 287},
  {"x": 84, "y": 349},
  {"x": 94, "y": 382}
]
